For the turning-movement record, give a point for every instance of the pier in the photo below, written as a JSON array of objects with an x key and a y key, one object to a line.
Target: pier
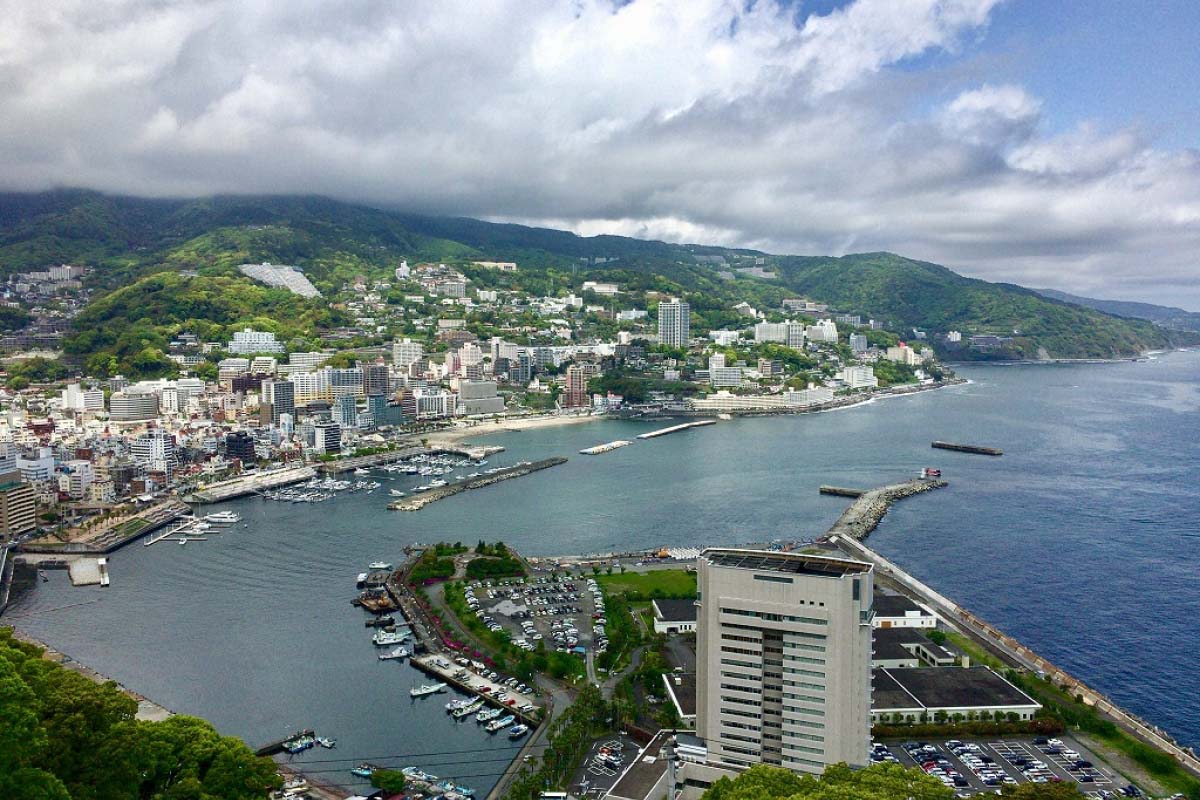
[
  {"x": 677, "y": 428},
  {"x": 605, "y": 448},
  {"x": 967, "y": 448},
  {"x": 249, "y": 484},
  {"x": 444, "y": 670},
  {"x": 864, "y": 513},
  {"x": 841, "y": 491},
  {"x": 432, "y": 495},
  {"x": 271, "y": 748},
  {"x": 473, "y": 452},
  {"x": 113, "y": 533}
]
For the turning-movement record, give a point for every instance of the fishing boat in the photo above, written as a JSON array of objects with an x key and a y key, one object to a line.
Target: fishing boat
[
  {"x": 398, "y": 653},
  {"x": 455, "y": 705},
  {"x": 326, "y": 742},
  {"x": 517, "y": 731},
  {"x": 379, "y": 565},
  {"x": 467, "y": 711},
  {"x": 388, "y": 638},
  {"x": 427, "y": 688},
  {"x": 299, "y": 744},
  {"x": 488, "y": 714},
  {"x": 497, "y": 724},
  {"x": 380, "y": 622},
  {"x": 364, "y": 770}
]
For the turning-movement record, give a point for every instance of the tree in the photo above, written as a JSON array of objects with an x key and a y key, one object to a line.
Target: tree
[
  {"x": 839, "y": 782},
  {"x": 936, "y": 636},
  {"x": 1043, "y": 791},
  {"x": 389, "y": 780}
]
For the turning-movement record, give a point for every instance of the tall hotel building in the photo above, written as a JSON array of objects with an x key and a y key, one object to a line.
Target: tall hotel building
[
  {"x": 783, "y": 659},
  {"x": 674, "y": 323}
]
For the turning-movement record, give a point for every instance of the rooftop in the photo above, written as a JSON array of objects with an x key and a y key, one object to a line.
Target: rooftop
[
  {"x": 895, "y": 605},
  {"x": 791, "y": 563},
  {"x": 683, "y": 693},
  {"x": 644, "y": 773},
  {"x": 675, "y": 610},
  {"x": 944, "y": 687}
]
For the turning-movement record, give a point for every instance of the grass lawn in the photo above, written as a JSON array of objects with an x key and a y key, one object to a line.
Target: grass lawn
[{"x": 669, "y": 582}]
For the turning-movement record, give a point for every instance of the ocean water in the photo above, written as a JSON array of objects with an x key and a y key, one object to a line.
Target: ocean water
[{"x": 1081, "y": 541}]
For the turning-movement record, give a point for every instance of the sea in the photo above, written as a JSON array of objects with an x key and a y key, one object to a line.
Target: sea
[{"x": 1081, "y": 541}]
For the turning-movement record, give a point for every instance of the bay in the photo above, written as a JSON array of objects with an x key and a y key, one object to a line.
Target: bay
[{"x": 1081, "y": 541}]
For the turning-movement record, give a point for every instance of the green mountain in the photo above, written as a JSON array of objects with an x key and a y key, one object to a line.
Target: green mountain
[
  {"x": 1166, "y": 316},
  {"x": 130, "y": 239}
]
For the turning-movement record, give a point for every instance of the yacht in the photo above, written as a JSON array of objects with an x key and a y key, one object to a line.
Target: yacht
[
  {"x": 223, "y": 518},
  {"x": 388, "y": 638},
  {"x": 326, "y": 742},
  {"x": 418, "y": 774},
  {"x": 428, "y": 688},
  {"x": 397, "y": 493},
  {"x": 379, "y": 565},
  {"x": 361, "y": 471},
  {"x": 398, "y": 653}
]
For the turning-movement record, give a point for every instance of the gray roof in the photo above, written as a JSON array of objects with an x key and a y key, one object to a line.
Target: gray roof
[
  {"x": 895, "y": 605},
  {"x": 945, "y": 687},
  {"x": 675, "y": 610},
  {"x": 684, "y": 693},
  {"x": 795, "y": 563}
]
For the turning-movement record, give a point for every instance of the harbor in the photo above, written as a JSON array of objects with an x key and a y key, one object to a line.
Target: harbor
[
  {"x": 677, "y": 428},
  {"x": 431, "y": 495}
]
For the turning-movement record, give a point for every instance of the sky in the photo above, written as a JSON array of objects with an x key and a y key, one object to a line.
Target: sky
[{"x": 1051, "y": 144}]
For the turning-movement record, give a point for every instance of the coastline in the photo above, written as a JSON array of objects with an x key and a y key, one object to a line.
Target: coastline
[{"x": 492, "y": 427}]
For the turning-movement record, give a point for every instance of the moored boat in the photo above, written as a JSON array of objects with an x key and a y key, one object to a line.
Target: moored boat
[
  {"x": 426, "y": 689},
  {"x": 497, "y": 724},
  {"x": 391, "y": 655},
  {"x": 364, "y": 770},
  {"x": 517, "y": 731}
]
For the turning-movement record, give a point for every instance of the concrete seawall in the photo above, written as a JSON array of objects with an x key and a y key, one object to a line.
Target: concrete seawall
[
  {"x": 425, "y": 498},
  {"x": 864, "y": 514},
  {"x": 1016, "y": 653}
]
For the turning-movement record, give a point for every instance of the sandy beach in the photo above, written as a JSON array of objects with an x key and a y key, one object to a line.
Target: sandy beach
[{"x": 491, "y": 427}]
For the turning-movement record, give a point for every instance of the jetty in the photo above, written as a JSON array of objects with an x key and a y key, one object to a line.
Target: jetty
[
  {"x": 250, "y": 483},
  {"x": 467, "y": 680},
  {"x": 967, "y": 448},
  {"x": 423, "y": 499},
  {"x": 842, "y": 491},
  {"x": 605, "y": 448},
  {"x": 473, "y": 452},
  {"x": 271, "y": 748},
  {"x": 677, "y": 428},
  {"x": 865, "y": 513}
]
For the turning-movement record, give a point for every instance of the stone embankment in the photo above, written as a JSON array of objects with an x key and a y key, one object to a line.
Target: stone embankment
[
  {"x": 864, "y": 514},
  {"x": 425, "y": 498}
]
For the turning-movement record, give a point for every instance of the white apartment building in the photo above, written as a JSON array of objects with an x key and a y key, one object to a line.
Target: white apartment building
[
  {"x": 154, "y": 451},
  {"x": 783, "y": 659},
  {"x": 434, "y": 403},
  {"x": 674, "y": 323},
  {"x": 312, "y": 386},
  {"x": 859, "y": 377},
  {"x": 824, "y": 331},
  {"x": 904, "y": 354},
  {"x": 858, "y": 343},
  {"x": 721, "y": 375},
  {"x": 725, "y": 401},
  {"x": 406, "y": 351},
  {"x": 76, "y": 398},
  {"x": 248, "y": 341}
]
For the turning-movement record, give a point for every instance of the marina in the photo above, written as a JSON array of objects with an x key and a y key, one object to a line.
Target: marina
[
  {"x": 433, "y": 493},
  {"x": 250, "y": 483},
  {"x": 700, "y": 423}
]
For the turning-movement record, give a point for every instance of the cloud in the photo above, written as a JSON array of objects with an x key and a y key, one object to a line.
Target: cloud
[{"x": 724, "y": 121}]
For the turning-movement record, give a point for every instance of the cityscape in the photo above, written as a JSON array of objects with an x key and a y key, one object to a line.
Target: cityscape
[{"x": 599, "y": 400}]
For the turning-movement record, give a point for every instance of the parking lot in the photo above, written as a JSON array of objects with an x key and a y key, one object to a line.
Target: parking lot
[
  {"x": 606, "y": 759},
  {"x": 985, "y": 765},
  {"x": 565, "y": 614}
]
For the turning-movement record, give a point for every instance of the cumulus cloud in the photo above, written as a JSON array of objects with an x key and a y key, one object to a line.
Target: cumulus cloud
[{"x": 723, "y": 121}]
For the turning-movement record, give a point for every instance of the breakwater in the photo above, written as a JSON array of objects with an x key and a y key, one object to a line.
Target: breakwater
[
  {"x": 440, "y": 493},
  {"x": 1017, "y": 654},
  {"x": 676, "y": 428},
  {"x": 841, "y": 491},
  {"x": 967, "y": 448},
  {"x": 864, "y": 514}
]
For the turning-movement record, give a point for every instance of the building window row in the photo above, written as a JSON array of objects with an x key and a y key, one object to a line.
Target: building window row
[
  {"x": 807, "y": 698},
  {"x": 729, "y": 724},
  {"x": 733, "y": 637},
  {"x": 773, "y": 617},
  {"x": 738, "y": 676},
  {"x": 812, "y": 712},
  {"x": 811, "y": 737},
  {"x": 806, "y": 723},
  {"x": 802, "y": 685},
  {"x": 810, "y": 672},
  {"x": 812, "y": 648},
  {"x": 739, "y": 651},
  {"x": 738, "y": 713},
  {"x": 805, "y": 635},
  {"x": 727, "y": 698},
  {"x": 803, "y": 749},
  {"x": 729, "y": 662}
]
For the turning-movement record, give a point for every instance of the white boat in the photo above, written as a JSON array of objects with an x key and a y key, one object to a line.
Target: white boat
[
  {"x": 326, "y": 742},
  {"x": 497, "y": 724},
  {"x": 388, "y": 638},
  {"x": 379, "y": 565},
  {"x": 397, "y": 493},
  {"x": 517, "y": 731},
  {"x": 223, "y": 518},
  {"x": 361, "y": 471},
  {"x": 428, "y": 688},
  {"x": 398, "y": 653},
  {"x": 467, "y": 711}
]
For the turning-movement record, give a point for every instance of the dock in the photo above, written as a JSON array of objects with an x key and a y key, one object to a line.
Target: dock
[
  {"x": 677, "y": 428},
  {"x": 841, "y": 491},
  {"x": 605, "y": 448},
  {"x": 968, "y": 448},
  {"x": 469, "y": 682},
  {"x": 473, "y": 452},
  {"x": 250, "y": 484},
  {"x": 271, "y": 748},
  {"x": 423, "y": 499}
]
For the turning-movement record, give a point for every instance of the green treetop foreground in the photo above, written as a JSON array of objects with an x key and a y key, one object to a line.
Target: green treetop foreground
[
  {"x": 64, "y": 737},
  {"x": 879, "y": 782}
]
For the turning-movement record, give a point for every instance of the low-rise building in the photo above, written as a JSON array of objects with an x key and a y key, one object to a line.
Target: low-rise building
[
  {"x": 933, "y": 693},
  {"x": 674, "y": 616}
]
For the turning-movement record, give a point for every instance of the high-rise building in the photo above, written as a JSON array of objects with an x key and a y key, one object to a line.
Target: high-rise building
[
  {"x": 348, "y": 380},
  {"x": 17, "y": 507},
  {"x": 674, "y": 323},
  {"x": 375, "y": 378},
  {"x": 154, "y": 451},
  {"x": 575, "y": 394},
  {"x": 76, "y": 398},
  {"x": 783, "y": 659},
  {"x": 327, "y": 436},
  {"x": 345, "y": 410},
  {"x": 859, "y": 343},
  {"x": 240, "y": 445},
  {"x": 132, "y": 406},
  {"x": 281, "y": 397},
  {"x": 249, "y": 340}
]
